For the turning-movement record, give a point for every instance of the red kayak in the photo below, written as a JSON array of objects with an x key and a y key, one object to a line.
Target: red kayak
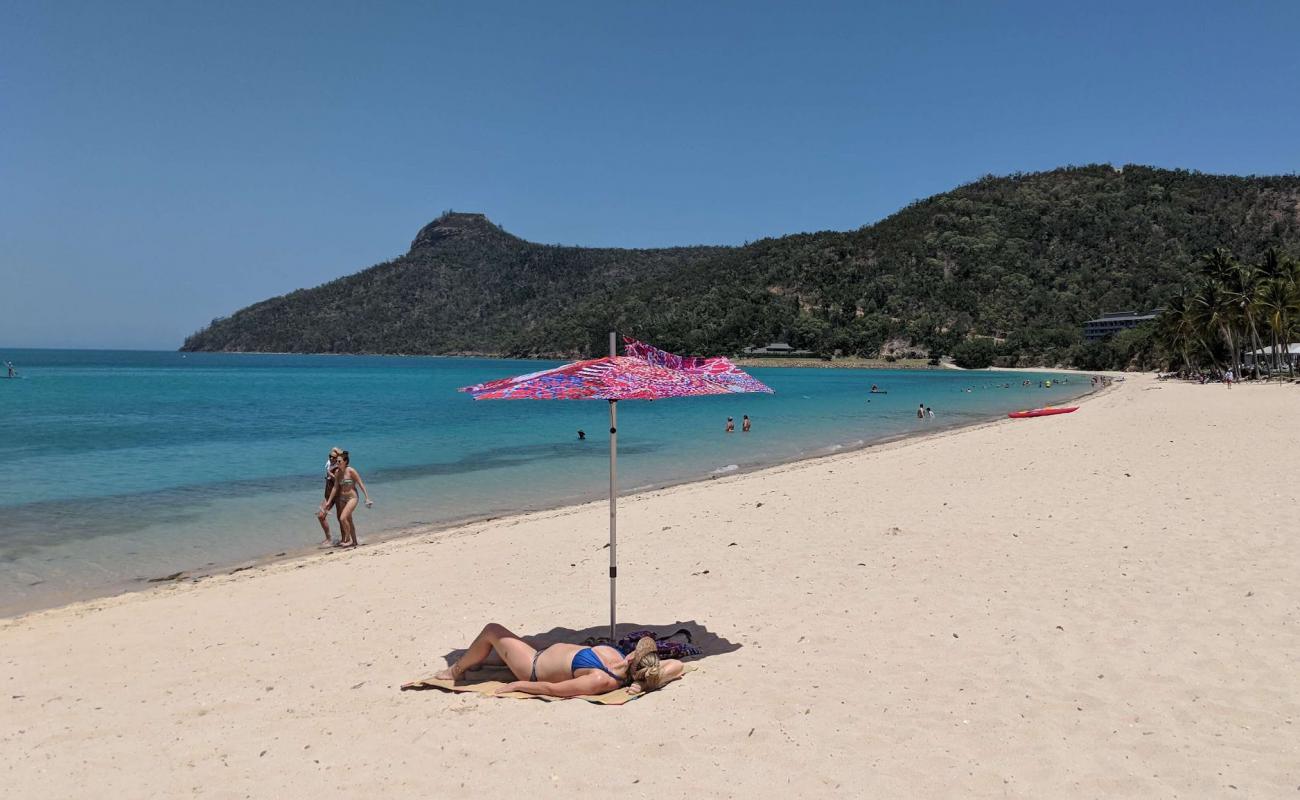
[{"x": 1042, "y": 412}]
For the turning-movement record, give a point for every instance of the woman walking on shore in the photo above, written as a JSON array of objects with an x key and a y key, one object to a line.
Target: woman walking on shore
[
  {"x": 323, "y": 513},
  {"x": 344, "y": 497}
]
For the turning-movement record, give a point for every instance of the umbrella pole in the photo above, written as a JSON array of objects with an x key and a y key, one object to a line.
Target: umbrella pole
[
  {"x": 613, "y": 500},
  {"x": 613, "y": 511}
]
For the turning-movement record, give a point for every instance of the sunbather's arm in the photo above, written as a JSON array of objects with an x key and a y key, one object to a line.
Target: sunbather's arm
[
  {"x": 670, "y": 669},
  {"x": 587, "y": 684}
]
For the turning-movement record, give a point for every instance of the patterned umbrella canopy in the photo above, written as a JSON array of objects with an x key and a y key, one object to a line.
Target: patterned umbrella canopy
[{"x": 643, "y": 373}]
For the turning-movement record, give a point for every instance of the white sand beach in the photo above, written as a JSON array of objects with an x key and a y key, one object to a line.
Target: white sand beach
[{"x": 1102, "y": 604}]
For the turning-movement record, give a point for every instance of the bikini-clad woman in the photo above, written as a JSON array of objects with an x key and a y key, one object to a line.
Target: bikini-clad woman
[
  {"x": 567, "y": 670},
  {"x": 344, "y": 497}
]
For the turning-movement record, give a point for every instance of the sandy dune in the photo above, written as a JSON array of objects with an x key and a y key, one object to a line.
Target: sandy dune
[{"x": 1096, "y": 605}]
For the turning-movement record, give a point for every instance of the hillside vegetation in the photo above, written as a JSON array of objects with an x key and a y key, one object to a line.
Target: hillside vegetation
[{"x": 1023, "y": 259}]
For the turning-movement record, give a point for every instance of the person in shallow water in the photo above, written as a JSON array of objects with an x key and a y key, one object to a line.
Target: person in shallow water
[
  {"x": 344, "y": 498},
  {"x": 323, "y": 513},
  {"x": 582, "y": 434},
  {"x": 566, "y": 670},
  {"x": 731, "y": 425},
  {"x": 744, "y": 424}
]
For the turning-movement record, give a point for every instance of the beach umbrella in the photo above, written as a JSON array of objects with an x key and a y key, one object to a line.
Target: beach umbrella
[{"x": 642, "y": 373}]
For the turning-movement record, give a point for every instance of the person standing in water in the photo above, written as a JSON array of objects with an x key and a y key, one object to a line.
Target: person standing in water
[
  {"x": 744, "y": 424},
  {"x": 323, "y": 513},
  {"x": 920, "y": 411},
  {"x": 582, "y": 435},
  {"x": 929, "y": 413},
  {"x": 346, "y": 482},
  {"x": 731, "y": 425}
]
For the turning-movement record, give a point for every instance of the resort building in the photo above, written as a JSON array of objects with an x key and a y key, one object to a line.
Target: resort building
[
  {"x": 1290, "y": 355},
  {"x": 777, "y": 350},
  {"x": 1113, "y": 322}
]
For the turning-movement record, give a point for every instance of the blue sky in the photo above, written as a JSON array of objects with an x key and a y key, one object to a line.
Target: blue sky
[{"x": 164, "y": 163}]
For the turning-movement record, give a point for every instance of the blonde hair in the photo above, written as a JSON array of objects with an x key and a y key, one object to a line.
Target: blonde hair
[
  {"x": 644, "y": 666},
  {"x": 334, "y": 451}
]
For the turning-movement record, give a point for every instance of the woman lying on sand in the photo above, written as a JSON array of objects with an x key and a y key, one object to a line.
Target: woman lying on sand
[{"x": 567, "y": 670}]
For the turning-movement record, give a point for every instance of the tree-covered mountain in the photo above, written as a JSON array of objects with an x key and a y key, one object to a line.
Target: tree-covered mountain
[{"x": 1025, "y": 258}]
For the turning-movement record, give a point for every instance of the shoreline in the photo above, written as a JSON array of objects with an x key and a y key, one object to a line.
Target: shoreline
[
  {"x": 197, "y": 575},
  {"x": 842, "y": 362}
]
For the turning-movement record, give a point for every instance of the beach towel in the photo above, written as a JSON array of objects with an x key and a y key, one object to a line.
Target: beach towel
[{"x": 488, "y": 679}]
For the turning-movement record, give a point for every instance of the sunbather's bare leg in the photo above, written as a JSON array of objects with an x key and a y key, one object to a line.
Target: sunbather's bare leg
[{"x": 515, "y": 652}]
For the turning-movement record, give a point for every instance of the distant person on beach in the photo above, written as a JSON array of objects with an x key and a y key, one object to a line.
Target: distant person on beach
[
  {"x": 567, "y": 670},
  {"x": 744, "y": 424},
  {"x": 731, "y": 425},
  {"x": 323, "y": 513},
  {"x": 581, "y": 434},
  {"x": 344, "y": 497},
  {"x": 10, "y": 366},
  {"x": 920, "y": 411}
]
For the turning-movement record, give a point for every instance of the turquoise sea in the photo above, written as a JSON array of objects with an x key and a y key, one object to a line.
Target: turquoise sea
[{"x": 125, "y": 465}]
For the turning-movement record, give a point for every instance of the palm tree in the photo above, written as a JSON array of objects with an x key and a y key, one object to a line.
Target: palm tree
[
  {"x": 1279, "y": 301},
  {"x": 1217, "y": 315},
  {"x": 1231, "y": 303},
  {"x": 1244, "y": 288},
  {"x": 1168, "y": 332},
  {"x": 1178, "y": 327},
  {"x": 1279, "y": 304}
]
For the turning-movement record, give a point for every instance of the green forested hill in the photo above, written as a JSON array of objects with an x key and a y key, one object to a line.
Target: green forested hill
[{"x": 1027, "y": 258}]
